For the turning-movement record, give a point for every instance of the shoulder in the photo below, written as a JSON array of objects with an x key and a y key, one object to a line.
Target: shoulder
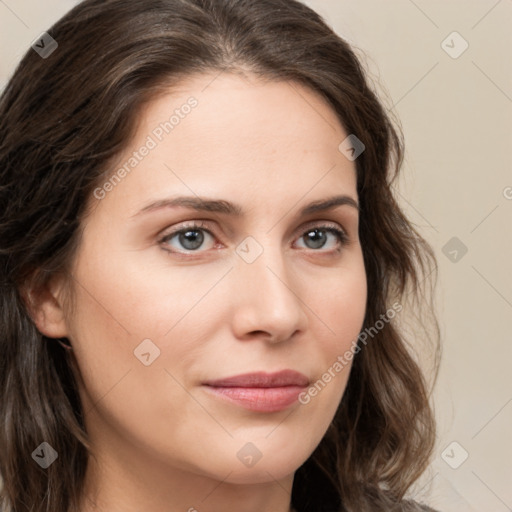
[
  {"x": 403, "y": 506},
  {"x": 412, "y": 506}
]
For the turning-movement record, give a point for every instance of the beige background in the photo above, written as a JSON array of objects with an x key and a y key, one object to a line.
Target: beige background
[{"x": 457, "y": 117}]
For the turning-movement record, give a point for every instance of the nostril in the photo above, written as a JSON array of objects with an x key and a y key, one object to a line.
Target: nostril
[{"x": 254, "y": 333}]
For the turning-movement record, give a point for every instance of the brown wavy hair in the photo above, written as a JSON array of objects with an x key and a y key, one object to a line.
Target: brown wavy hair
[{"x": 65, "y": 117}]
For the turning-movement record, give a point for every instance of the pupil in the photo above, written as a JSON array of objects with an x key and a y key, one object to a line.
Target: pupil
[
  {"x": 317, "y": 237},
  {"x": 191, "y": 239}
]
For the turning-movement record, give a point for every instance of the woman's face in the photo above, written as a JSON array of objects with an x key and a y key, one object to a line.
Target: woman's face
[{"x": 248, "y": 286}]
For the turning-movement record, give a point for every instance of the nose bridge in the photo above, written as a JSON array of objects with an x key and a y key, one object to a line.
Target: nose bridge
[{"x": 268, "y": 299}]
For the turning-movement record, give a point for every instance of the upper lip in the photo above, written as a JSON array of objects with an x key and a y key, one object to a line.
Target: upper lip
[{"x": 262, "y": 380}]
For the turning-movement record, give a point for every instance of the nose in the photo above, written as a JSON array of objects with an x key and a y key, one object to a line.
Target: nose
[{"x": 269, "y": 302}]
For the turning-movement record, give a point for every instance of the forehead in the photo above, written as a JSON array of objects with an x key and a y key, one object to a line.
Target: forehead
[
  {"x": 246, "y": 109},
  {"x": 222, "y": 135}
]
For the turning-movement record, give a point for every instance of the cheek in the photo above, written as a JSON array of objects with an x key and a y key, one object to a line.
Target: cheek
[
  {"x": 341, "y": 306},
  {"x": 136, "y": 296},
  {"x": 119, "y": 309},
  {"x": 121, "y": 306}
]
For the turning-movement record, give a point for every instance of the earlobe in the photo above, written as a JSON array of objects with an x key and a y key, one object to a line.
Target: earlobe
[{"x": 46, "y": 308}]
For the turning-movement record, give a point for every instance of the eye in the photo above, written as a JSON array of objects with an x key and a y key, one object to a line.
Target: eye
[
  {"x": 192, "y": 237},
  {"x": 189, "y": 238},
  {"x": 317, "y": 237}
]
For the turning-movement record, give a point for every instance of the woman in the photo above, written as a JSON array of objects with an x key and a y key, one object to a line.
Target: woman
[{"x": 204, "y": 269}]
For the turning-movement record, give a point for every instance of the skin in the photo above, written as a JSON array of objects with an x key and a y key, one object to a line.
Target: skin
[{"x": 160, "y": 441}]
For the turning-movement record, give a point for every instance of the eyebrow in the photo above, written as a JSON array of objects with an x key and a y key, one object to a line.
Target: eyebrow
[{"x": 228, "y": 208}]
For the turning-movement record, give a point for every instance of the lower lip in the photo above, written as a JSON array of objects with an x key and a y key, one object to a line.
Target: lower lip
[{"x": 259, "y": 399}]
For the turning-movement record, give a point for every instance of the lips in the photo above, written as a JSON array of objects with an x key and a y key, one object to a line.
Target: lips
[
  {"x": 262, "y": 380},
  {"x": 259, "y": 391}
]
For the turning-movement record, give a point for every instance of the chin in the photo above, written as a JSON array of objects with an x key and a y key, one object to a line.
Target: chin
[
  {"x": 263, "y": 474},
  {"x": 277, "y": 464}
]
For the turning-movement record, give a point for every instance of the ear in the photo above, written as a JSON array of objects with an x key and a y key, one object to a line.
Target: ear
[{"x": 46, "y": 307}]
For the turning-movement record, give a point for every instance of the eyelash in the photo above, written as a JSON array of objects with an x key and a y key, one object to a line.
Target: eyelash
[{"x": 342, "y": 236}]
